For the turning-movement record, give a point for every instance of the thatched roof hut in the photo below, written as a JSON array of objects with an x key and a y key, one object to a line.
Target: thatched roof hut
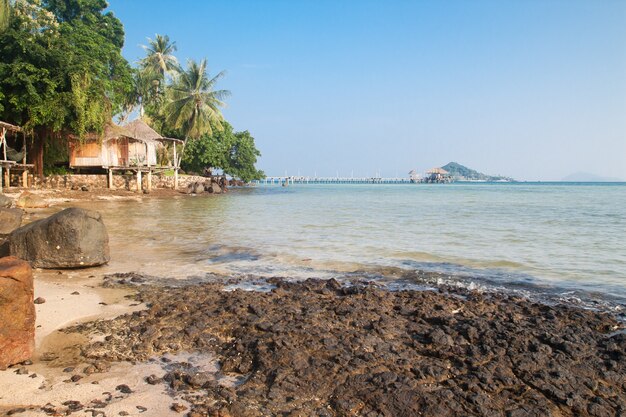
[
  {"x": 437, "y": 171},
  {"x": 116, "y": 147},
  {"x": 141, "y": 130}
]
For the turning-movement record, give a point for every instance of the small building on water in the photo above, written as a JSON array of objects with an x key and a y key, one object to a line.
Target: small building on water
[{"x": 438, "y": 175}]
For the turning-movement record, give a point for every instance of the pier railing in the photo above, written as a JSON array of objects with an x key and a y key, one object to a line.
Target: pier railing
[{"x": 286, "y": 180}]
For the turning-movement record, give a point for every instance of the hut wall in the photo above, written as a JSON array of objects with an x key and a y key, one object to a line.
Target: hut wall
[
  {"x": 88, "y": 154},
  {"x": 138, "y": 155},
  {"x": 115, "y": 153}
]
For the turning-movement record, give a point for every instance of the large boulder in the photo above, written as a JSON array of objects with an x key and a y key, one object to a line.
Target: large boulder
[
  {"x": 10, "y": 219},
  {"x": 214, "y": 188},
  {"x": 28, "y": 200},
  {"x": 72, "y": 238},
  {"x": 5, "y": 201},
  {"x": 17, "y": 312},
  {"x": 198, "y": 188}
]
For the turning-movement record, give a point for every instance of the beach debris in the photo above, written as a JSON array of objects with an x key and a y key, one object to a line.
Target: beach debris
[
  {"x": 179, "y": 408},
  {"x": 80, "y": 235},
  {"x": 76, "y": 378},
  {"x": 10, "y": 219},
  {"x": 75, "y": 293},
  {"x": 22, "y": 371},
  {"x": 124, "y": 389},
  {"x": 16, "y": 411},
  {"x": 17, "y": 312},
  {"x": 39, "y": 300},
  {"x": 29, "y": 200},
  {"x": 153, "y": 379}
]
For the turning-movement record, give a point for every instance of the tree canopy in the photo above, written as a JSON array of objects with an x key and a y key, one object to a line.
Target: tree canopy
[
  {"x": 233, "y": 152},
  {"x": 62, "y": 73},
  {"x": 62, "y": 68}
]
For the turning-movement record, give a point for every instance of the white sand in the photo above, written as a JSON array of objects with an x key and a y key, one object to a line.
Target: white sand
[{"x": 48, "y": 387}]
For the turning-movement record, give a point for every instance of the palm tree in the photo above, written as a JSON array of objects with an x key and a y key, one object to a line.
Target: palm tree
[
  {"x": 160, "y": 60},
  {"x": 193, "y": 103}
]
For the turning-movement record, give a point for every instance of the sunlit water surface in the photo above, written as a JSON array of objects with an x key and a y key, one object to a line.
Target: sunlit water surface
[{"x": 566, "y": 239}]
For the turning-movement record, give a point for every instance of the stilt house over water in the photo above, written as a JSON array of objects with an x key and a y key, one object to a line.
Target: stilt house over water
[{"x": 438, "y": 175}]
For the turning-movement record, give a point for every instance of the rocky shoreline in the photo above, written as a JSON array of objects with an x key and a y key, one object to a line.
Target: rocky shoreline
[{"x": 319, "y": 348}]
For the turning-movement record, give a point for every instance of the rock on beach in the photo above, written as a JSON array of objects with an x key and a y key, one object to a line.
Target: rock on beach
[
  {"x": 72, "y": 238},
  {"x": 10, "y": 219},
  {"x": 17, "y": 311},
  {"x": 5, "y": 201},
  {"x": 28, "y": 200}
]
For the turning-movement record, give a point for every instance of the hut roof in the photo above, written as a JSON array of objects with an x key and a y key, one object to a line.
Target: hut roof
[
  {"x": 111, "y": 131},
  {"x": 437, "y": 171},
  {"x": 11, "y": 127},
  {"x": 142, "y": 131}
]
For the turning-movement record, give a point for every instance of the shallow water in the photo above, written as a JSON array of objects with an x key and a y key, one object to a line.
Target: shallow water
[{"x": 556, "y": 238}]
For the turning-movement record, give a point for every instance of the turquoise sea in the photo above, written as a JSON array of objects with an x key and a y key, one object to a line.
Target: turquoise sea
[{"x": 559, "y": 240}]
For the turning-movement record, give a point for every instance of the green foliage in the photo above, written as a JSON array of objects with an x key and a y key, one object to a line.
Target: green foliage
[
  {"x": 233, "y": 152},
  {"x": 55, "y": 156},
  {"x": 5, "y": 14},
  {"x": 62, "y": 68}
]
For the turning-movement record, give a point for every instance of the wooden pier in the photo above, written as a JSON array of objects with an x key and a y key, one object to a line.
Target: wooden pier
[{"x": 287, "y": 180}]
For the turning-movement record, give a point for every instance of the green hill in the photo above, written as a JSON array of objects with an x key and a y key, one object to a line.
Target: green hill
[{"x": 460, "y": 172}]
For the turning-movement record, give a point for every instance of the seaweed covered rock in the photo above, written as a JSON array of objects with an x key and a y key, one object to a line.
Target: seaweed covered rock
[
  {"x": 72, "y": 238},
  {"x": 10, "y": 219},
  {"x": 17, "y": 311}
]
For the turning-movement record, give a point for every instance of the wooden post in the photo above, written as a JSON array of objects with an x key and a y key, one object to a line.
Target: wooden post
[
  {"x": 25, "y": 172},
  {"x": 0, "y": 177},
  {"x": 111, "y": 185},
  {"x": 149, "y": 185},
  {"x": 175, "y": 167},
  {"x": 139, "y": 179},
  {"x": 7, "y": 177}
]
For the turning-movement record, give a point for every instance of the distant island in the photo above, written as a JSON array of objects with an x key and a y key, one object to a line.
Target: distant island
[
  {"x": 462, "y": 173},
  {"x": 587, "y": 177}
]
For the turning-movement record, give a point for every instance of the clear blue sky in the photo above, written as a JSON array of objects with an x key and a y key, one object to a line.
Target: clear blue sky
[{"x": 530, "y": 89}]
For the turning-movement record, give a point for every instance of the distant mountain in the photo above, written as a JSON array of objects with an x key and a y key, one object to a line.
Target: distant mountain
[
  {"x": 587, "y": 177},
  {"x": 464, "y": 173}
]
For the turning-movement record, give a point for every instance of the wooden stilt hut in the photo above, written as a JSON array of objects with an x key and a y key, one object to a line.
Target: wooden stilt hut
[
  {"x": 11, "y": 158},
  {"x": 140, "y": 130}
]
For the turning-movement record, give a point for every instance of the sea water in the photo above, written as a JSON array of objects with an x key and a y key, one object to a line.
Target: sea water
[{"x": 555, "y": 238}]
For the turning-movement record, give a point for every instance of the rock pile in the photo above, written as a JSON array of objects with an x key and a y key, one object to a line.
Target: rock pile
[
  {"x": 213, "y": 185},
  {"x": 318, "y": 348}
]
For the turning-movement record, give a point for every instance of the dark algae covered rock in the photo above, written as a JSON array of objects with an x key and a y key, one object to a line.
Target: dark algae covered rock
[{"x": 317, "y": 348}]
